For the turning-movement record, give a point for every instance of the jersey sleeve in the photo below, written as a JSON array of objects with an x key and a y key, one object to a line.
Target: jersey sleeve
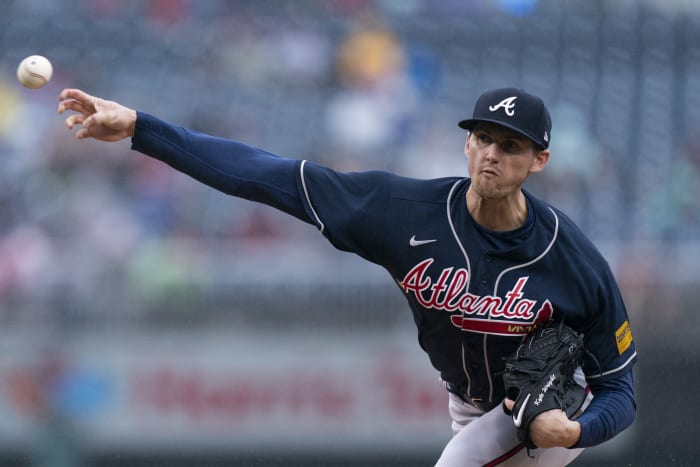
[
  {"x": 608, "y": 338},
  {"x": 611, "y": 411},
  {"x": 350, "y": 209},
  {"x": 229, "y": 166}
]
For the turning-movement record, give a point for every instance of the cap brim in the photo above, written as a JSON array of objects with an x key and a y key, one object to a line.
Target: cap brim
[{"x": 470, "y": 123}]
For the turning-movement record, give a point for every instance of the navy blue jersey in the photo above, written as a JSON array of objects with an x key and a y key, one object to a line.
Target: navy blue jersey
[
  {"x": 472, "y": 303},
  {"x": 472, "y": 298}
]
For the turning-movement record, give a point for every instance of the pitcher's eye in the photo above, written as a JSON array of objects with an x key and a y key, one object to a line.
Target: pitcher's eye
[
  {"x": 511, "y": 146},
  {"x": 483, "y": 138}
]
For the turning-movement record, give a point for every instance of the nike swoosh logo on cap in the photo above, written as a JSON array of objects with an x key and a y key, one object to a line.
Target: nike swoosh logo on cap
[
  {"x": 414, "y": 242},
  {"x": 518, "y": 419}
]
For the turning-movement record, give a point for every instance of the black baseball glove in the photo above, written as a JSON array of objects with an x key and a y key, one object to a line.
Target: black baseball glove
[{"x": 539, "y": 376}]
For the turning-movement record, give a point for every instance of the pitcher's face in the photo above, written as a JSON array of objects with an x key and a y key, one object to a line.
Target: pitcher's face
[{"x": 500, "y": 160}]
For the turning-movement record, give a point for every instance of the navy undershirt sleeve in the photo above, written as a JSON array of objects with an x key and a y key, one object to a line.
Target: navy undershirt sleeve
[
  {"x": 228, "y": 166},
  {"x": 612, "y": 409}
]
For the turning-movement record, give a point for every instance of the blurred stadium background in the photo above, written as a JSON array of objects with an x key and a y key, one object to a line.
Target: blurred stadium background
[{"x": 148, "y": 320}]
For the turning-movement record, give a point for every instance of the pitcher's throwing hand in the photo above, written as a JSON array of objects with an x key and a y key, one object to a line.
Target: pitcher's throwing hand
[{"x": 100, "y": 119}]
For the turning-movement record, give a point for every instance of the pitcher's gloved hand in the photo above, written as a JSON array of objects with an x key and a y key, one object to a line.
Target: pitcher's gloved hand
[{"x": 539, "y": 376}]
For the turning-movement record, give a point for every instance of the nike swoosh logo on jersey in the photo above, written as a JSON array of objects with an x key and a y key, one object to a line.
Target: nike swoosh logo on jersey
[
  {"x": 414, "y": 242},
  {"x": 518, "y": 418}
]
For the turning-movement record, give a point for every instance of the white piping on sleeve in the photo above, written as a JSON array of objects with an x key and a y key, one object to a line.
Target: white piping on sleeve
[
  {"x": 605, "y": 373},
  {"x": 319, "y": 223}
]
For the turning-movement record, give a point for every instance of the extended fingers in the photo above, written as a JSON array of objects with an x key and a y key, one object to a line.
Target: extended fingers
[
  {"x": 76, "y": 100},
  {"x": 101, "y": 119},
  {"x": 76, "y": 106},
  {"x": 75, "y": 119},
  {"x": 87, "y": 125},
  {"x": 76, "y": 94}
]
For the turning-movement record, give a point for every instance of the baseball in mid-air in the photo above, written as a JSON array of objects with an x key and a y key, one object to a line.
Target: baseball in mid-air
[{"x": 34, "y": 71}]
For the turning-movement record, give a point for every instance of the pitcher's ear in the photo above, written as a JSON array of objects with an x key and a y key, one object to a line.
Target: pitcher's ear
[{"x": 540, "y": 160}]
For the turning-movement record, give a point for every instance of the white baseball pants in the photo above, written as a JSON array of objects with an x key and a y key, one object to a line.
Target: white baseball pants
[{"x": 489, "y": 439}]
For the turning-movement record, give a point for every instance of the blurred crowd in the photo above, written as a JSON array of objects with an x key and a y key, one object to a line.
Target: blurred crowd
[{"x": 354, "y": 84}]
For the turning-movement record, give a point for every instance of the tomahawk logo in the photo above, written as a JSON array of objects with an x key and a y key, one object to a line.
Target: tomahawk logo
[{"x": 508, "y": 105}]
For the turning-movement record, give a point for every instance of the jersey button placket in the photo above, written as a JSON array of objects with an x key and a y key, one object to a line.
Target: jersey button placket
[{"x": 483, "y": 279}]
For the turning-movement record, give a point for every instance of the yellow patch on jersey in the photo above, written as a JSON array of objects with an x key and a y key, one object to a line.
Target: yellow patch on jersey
[{"x": 623, "y": 336}]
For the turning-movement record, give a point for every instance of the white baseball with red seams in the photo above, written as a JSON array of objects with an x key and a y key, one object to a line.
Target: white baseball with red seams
[{"x": 34, "y": 71}]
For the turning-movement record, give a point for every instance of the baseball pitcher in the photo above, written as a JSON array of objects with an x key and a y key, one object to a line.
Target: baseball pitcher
[{"x": 515, "y": 308}]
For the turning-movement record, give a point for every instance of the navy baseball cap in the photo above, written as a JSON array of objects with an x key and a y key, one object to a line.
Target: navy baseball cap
[{"x": 515, "y": 109}]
